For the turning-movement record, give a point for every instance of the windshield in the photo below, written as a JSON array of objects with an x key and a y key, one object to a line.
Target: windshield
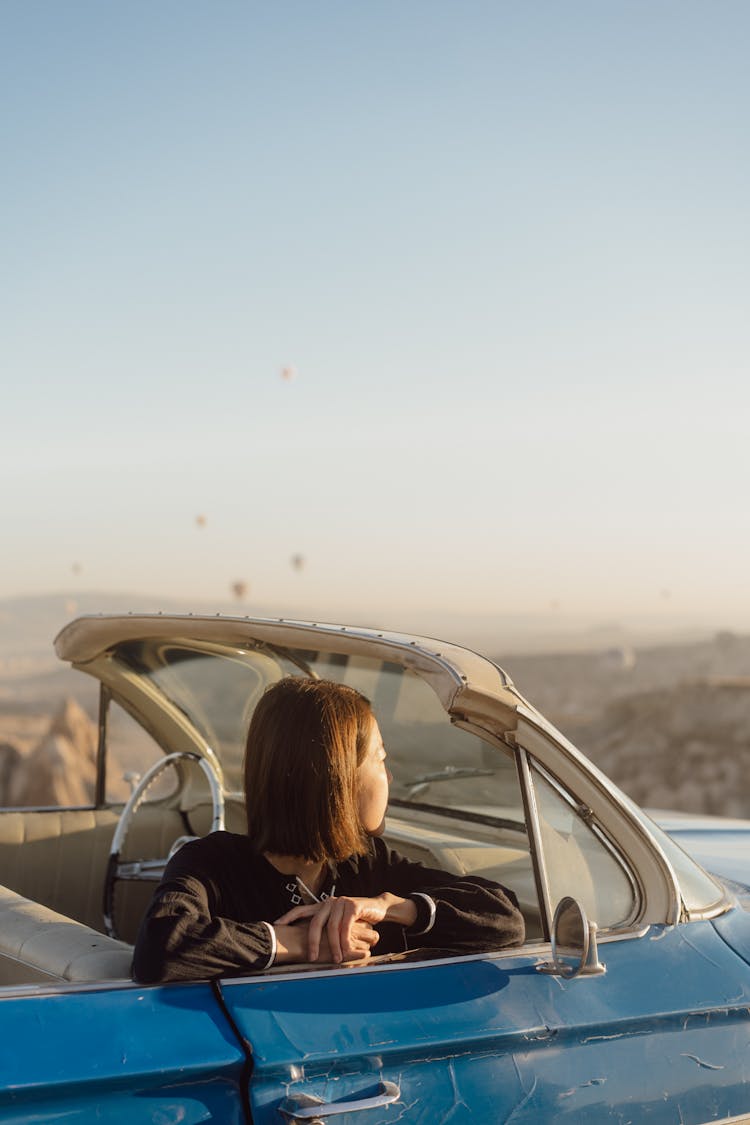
[{"x": 435, "y": 766}]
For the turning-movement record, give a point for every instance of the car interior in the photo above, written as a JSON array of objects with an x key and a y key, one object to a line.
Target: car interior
[{"x": 455, "y": 803}]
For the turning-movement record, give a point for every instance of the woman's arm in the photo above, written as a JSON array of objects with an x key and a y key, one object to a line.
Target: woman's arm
[
  {"x": 184, "y": 934},
  {"x": 455, "y": 912},
  {"x": 434, "y": 908},
  {"x": 179, "y": 939}
]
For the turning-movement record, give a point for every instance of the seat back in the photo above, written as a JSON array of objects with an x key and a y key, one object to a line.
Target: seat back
[
  {"x": 38, "y": 944},
  {"x": 58, "y": 857}
]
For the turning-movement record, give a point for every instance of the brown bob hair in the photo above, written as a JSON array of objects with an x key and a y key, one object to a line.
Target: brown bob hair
[{"x": 306, "y": 739}]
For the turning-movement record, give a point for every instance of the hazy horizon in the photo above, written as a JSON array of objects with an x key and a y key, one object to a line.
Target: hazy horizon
[{"x": 28, "y": 624}]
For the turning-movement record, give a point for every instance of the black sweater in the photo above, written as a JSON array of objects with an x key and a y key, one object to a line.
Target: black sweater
[{"x": 210, "y": 913}]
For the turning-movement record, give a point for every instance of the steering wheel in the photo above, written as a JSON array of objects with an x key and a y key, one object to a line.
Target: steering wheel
[{"x": 151, "y": 870}]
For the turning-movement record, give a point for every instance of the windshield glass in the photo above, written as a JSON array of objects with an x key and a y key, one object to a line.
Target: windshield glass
[
  {"x": 435, "y": 766},
  {"x": 698, "y": 889}
]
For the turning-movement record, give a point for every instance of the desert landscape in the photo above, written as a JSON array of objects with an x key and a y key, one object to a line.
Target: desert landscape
[{"x": 668, "y": 722}]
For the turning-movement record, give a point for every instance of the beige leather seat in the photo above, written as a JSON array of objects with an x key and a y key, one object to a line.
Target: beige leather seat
[{"x": 37, "y": 943}]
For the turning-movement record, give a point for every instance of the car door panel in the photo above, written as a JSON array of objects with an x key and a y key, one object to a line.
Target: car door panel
[
  {"x": 121, "y": 1056},
  {"x": 492, "y": 1038}
]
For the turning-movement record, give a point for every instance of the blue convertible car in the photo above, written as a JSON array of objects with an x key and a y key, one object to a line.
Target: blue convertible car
[{"x": 628, "y": 1002}]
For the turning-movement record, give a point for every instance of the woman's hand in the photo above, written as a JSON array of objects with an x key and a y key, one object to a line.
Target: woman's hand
[
  {"x": 294, "y": 945},
  {"x": 347, "y": 923},
  {"x": 343, "y": 924}
]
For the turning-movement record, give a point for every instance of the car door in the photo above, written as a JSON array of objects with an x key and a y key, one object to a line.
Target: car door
[
  {"x": 661, "y": 1036},
  {"x": 118, "y": 1054}
]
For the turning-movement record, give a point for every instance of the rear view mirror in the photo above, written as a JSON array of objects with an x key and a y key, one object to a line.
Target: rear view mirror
[{"x": 574, "y": 947}]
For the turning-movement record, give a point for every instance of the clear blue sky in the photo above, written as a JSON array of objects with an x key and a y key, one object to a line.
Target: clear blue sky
[{"x": 505, "y": 246}]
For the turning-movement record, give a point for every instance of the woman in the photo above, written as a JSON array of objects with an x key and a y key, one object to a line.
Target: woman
[{"x": 312, "y": 880}]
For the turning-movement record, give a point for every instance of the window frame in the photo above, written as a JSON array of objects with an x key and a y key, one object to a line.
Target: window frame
[{"x": 588, "y": 818}]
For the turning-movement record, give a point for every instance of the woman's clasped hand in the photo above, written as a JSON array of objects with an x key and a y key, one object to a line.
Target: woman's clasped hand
[{"x": 341, "y": 929}]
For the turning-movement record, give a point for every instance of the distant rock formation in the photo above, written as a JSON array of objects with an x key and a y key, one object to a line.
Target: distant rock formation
[
  {"x": 685, "y": 748},
  {"x": 61, "y": 769}
]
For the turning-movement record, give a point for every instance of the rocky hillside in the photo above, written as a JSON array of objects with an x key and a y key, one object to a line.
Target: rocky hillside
[
  {"x": 59, "y": 770},
  {"x": 686, "y": 747},
  {"x": 669, "y": 724}
]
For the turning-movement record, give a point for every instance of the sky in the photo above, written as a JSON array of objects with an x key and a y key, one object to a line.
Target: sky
[{"x": 502, "y": 250}]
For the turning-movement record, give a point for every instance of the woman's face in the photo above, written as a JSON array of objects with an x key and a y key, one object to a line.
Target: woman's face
[{"x": 374, "y": 778}]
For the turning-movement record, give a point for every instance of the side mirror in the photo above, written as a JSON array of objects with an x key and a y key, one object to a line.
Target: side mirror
[{"x": 574, "y": 948}]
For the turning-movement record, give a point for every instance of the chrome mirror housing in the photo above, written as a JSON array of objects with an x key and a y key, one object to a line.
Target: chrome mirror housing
[{"x": 574, "y": 946}]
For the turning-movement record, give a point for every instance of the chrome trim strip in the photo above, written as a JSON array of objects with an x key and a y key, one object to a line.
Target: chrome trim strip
[
  {"x": 31, "y": 991},
  {"x": 530, "y": 952},
  {"x": 101, "y": 747},
  {"x": 263, "y": 978},
  {"x": 603, "y": 936},
  {"x": 534, "y": 832},
  {"x": 723, "y": 906},
  {"x": 50, "y": 808}
]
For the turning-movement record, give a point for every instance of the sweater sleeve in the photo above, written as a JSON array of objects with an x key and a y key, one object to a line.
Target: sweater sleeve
[
  {"x": 471, "y": 914},
  {"x": 184, "y": 937}
]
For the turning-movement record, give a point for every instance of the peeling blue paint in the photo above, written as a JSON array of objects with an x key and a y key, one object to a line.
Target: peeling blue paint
[{"x": 492, "y": 1039}]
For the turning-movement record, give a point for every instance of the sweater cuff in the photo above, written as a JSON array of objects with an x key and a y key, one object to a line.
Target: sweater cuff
[
  {"x": 425, "y": 919},
  {"x": 272, "y": 958}
]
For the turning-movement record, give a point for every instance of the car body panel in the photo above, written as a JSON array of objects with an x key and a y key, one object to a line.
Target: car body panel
[
  {"x": 495, "y": 1039},
  {"x": 734, "y": 928},
  {"x": 123, "y": 1055},
  {"x": 720, "y": 845}
]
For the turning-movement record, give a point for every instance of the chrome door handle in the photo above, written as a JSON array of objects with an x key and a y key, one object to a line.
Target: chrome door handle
[{"x": 306, "y": 1107}]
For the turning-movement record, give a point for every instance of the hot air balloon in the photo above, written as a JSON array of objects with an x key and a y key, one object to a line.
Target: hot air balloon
[
  {"x": 298, "y": 562},
  {"x": 239, "y": 589},
  {"x": 288, "y": 373}
]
